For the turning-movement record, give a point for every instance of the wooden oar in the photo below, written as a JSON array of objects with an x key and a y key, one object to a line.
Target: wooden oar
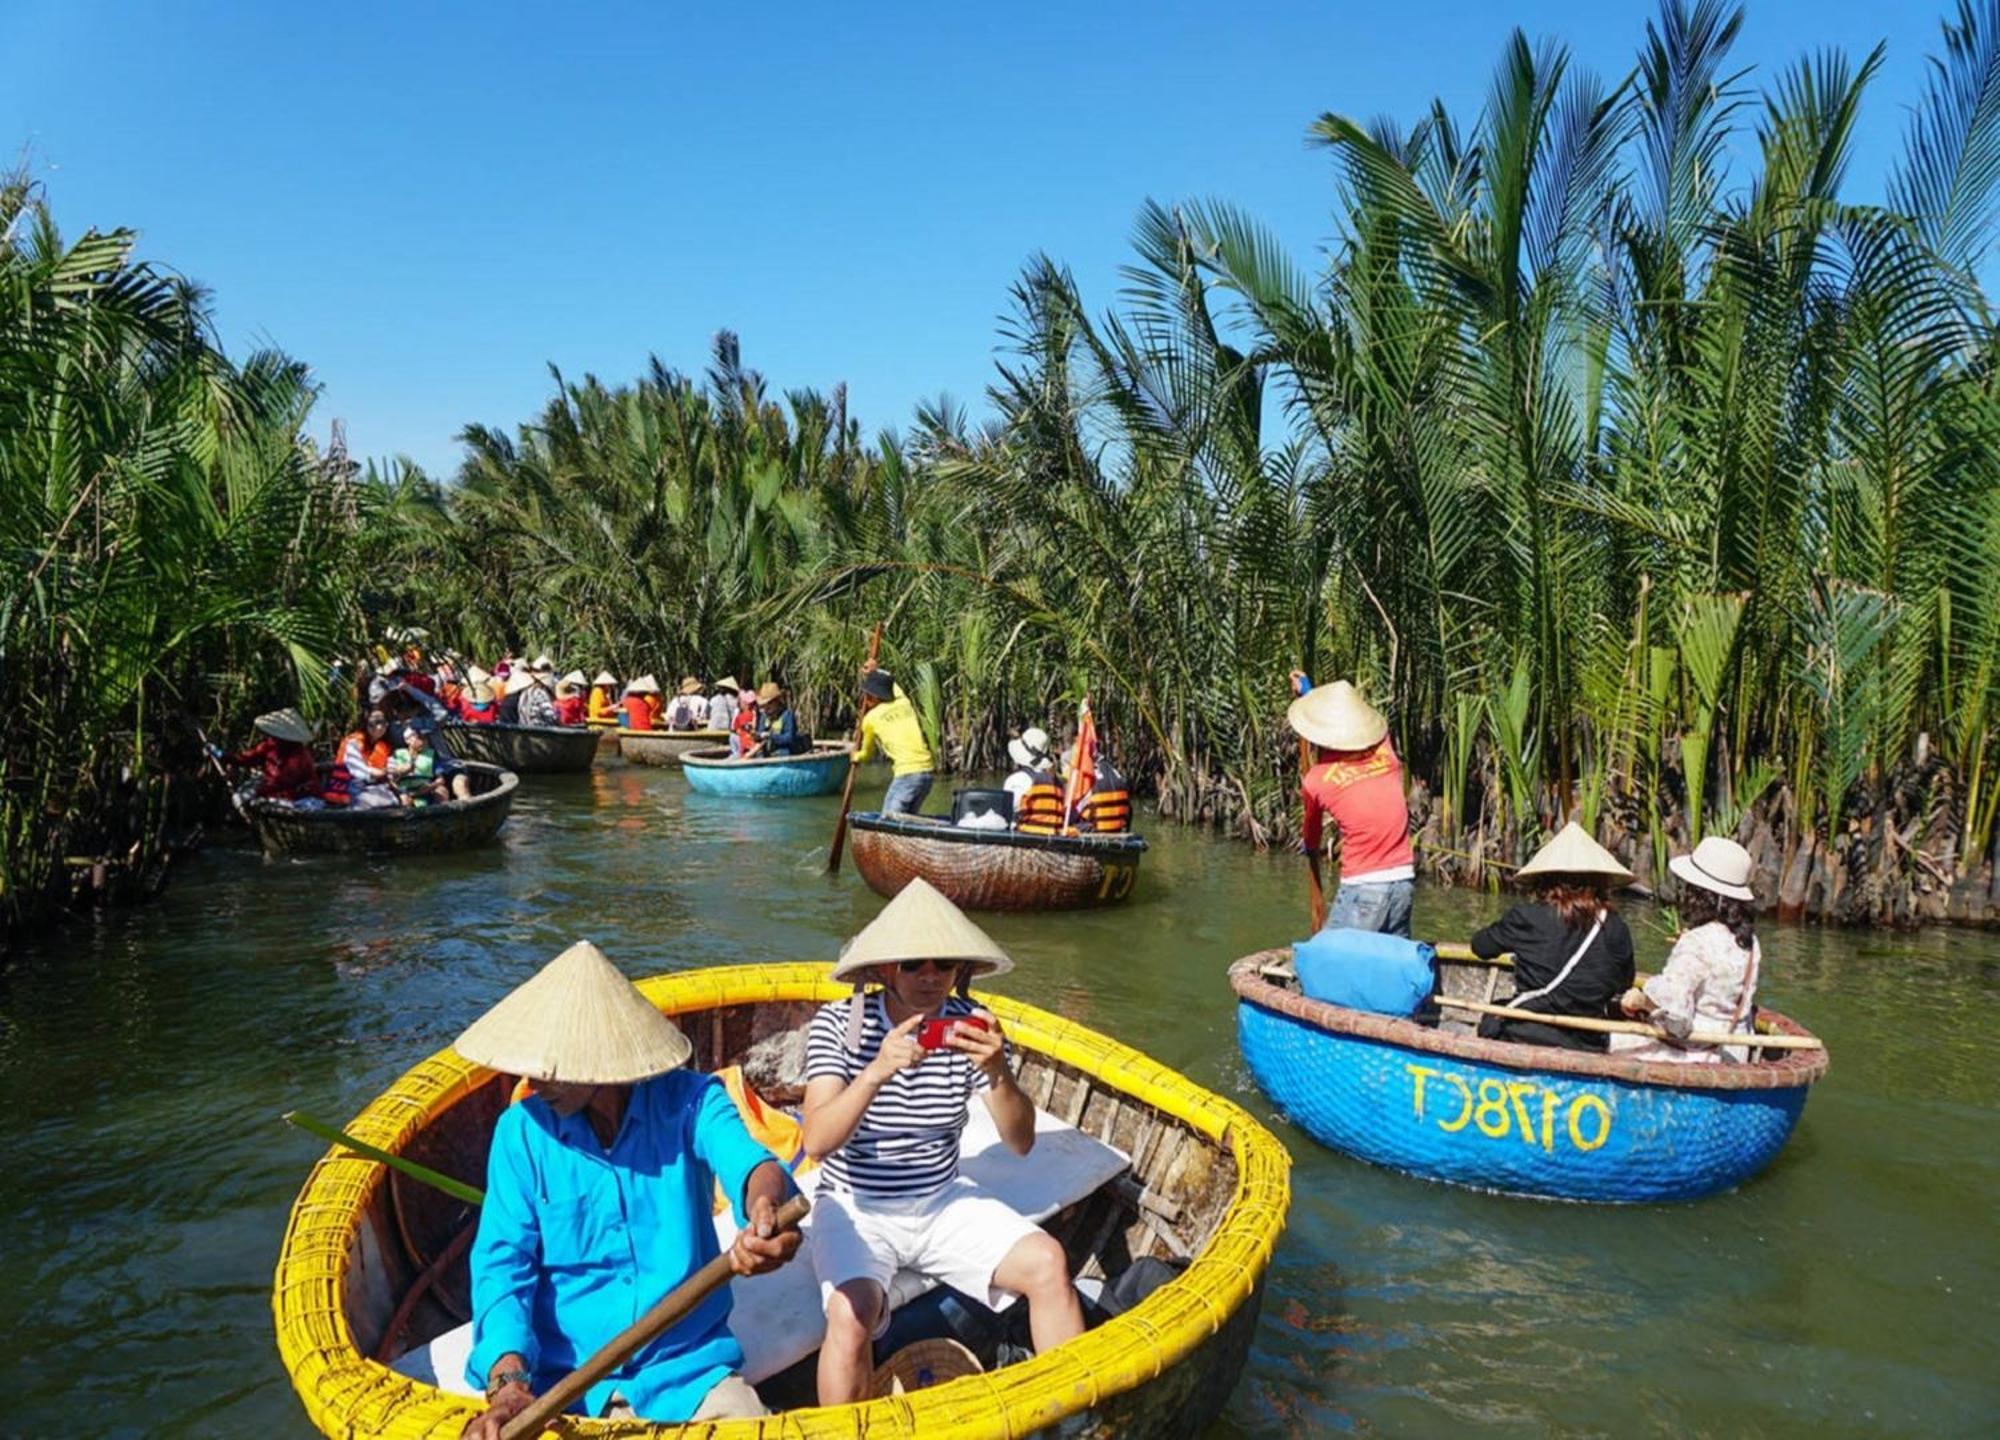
[
  {"x": 1316, "y": 896},
  {"x": 1634, "y": 1027},
  {"x": 671, "y": 1307},
  {"x": 209, "y": 751},
  {"x": 847, "y": 791},
  {"x": 457, "y": 1189}
]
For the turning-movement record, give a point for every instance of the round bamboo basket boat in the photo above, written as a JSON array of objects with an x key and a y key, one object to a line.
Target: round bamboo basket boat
[
  {"x": 820, "y": 771},
  {"x": 338, "y": 830},
  {"x": 1442, "y": 1103},
  {"x": 526, "y": 749},
  {"x": 665, "y": 747},
  {"x": 607, "y": 736},
  {"x": 994, "y": 869},
  {"x": 1207, "y": 1185}
]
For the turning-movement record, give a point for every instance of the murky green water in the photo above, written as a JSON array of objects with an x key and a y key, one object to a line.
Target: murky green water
[{"x": 1854, "y": 1289}]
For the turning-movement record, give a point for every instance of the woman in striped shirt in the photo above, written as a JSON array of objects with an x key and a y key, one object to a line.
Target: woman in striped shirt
[{"x": 890, "y": 1075}]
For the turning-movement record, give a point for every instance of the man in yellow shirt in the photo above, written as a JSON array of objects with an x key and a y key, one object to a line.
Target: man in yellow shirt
[{"x": 889, "y": 720}]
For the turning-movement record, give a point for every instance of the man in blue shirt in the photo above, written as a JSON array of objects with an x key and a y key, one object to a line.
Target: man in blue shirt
[
  {"x": 777, "y": 727},
  {"x": 598, "y": 1194}
]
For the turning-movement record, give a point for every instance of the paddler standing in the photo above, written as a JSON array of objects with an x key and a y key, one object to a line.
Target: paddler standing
[
  {"x": 889, "y": 721},
  {"x": 1356, "y": 778}
]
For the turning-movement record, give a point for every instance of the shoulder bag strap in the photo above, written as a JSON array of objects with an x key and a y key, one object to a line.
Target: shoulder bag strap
[{"x": 1563, "y": 974}]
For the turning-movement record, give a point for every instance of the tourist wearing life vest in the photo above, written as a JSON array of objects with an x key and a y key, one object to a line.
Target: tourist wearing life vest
[
  {"x": 1035, "y": 785},
  {"x": 361, "y": 766},
  {"x": 1107, "y": 809},
  {"x": 1358, "y": 780},
  {"x": 889, "y": 722},
  {"x": 603, "y": 708},
  {"x": 569, "y": 699},
  {"x": 634, "y": 713}
]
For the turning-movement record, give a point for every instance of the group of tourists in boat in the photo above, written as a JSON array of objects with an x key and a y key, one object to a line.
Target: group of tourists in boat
[
  {"x": 1572, "y": 954},
  {"x": 601, "y": 1173}
]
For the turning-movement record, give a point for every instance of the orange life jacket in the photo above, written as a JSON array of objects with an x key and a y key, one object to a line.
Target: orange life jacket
[
  {"x": 1040, "y": 808},
  {"x": 1107, "y": 809}
]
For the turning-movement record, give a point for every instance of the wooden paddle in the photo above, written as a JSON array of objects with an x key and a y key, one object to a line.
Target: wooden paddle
[
  {"x": 847, "y": 791},
  {"x": 1634, "y": 1027},
  {"x": 671, "y": 1307},
  {"x": 1316, "y": 897},
  {"x": 227, "y": 785}
]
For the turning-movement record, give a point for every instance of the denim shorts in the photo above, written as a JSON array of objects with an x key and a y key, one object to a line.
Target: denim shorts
[
  {"x": 1383, "y": 906},
  {"x": 906, "y": 794}
]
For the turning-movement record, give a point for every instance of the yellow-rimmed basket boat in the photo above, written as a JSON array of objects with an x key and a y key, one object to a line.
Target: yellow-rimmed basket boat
[{"x": 1207, "y": 1184}]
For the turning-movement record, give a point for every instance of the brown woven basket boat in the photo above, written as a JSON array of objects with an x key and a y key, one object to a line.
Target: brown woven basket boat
[
  {"x": 995, "y": 869},
  {"x": 665, "y": 747},
  {"x": 282, "y": 830},
  {"x": 526, "y": 749}
]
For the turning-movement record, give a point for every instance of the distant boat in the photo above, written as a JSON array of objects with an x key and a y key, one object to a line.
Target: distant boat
[
  {"x": 343, "y": 830},
  {"x": 1535, "y": 1120},
  {"x": 666, "y": 747},
  {"x": 994, "y": 869},
  {"x": 820, "y": 771},
  {"x": 525, "y": 749}
]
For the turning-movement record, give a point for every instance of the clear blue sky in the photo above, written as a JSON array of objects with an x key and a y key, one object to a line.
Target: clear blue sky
[{"x": 429, "y": 202}]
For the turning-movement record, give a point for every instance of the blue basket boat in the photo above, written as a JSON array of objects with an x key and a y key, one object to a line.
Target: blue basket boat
[
  {"x": 1443, "y": 1104},
  {"x": 820, "y": 771}
]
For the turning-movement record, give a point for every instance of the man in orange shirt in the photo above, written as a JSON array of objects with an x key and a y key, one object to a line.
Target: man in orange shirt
[{"x": 1357, "y": 778}]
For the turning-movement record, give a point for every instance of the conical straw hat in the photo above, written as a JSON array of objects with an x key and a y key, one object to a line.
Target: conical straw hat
[
  {"x": 728, "y": 682},
  {"x": 605, "y": 677},
  {"x": 1573, "y": 852},
  {"x": 920, "y": 924},
  {"x": 579, "y": 1021},
  {"x": 644, "y": 685},
  {"x": 476, "y": 676},
  {"x": 285, "y": 724},
  {"x": 1337, "y": 717},
  {"x": 572, "y": 681}
]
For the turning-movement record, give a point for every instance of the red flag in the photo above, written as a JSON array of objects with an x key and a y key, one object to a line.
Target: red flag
[{"x": 1082, "y": 760}]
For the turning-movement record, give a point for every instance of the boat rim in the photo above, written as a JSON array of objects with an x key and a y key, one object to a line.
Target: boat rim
[
  {"x": 1122, "y": 1354},
  {"x": 936, "y": 827},
  {"x": 507, "y": 729},
  {"x": 822, "y": 750},
  {"x": 1792, "y": 1069}
]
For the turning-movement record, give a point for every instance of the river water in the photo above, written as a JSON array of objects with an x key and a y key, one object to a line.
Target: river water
[{"x": 1853, "y": 1289}]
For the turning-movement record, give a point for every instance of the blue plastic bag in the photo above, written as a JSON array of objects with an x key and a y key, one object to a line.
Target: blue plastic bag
[{"x": 1364, "y": 970}]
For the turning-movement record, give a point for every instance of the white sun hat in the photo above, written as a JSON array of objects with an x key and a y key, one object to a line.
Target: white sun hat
[
  {"x": 1720, "y": 865},
  {"x": 285, "y": 724},
  {"x": 644, "y": 685},
  {"x": 605, "y": 677},
  {"x": 476, "y": 676},
  {"x": 522, "y": 680},
  {"x": 1031, "y": 749},
  {"x": 920, "y": 924},
  {"x": 1573, "y": 852},
  {"x": 1336, "y": 717},
  {"x": 543, "y": 664},
  {"x": 574, "y": 680},
  {"x": 577, "y": 1020}
]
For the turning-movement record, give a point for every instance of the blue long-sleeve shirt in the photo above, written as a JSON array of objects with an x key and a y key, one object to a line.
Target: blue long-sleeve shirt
[
  {"x": 575, "y": 1241},
  {"x": 781, "y": 736}
]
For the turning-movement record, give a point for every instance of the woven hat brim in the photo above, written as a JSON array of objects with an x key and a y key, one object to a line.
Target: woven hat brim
[
  {"x": 1353, "y": 726},
  {"x": 605, "y": 677},
  {"x": 690, "y": 686},
  {"x": 1686, "y": 869},
  {"x": 728, "y": 682},
  {"x": 767, "y": 693},
  {"x": 285, "y": 725},
  {"x": 1574, "y": 852},
  {"x": 921, "y": 924}
]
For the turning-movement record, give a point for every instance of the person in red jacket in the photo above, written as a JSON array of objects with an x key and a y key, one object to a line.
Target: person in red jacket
[
  {"x": 477, "y": 702},
  {"x": 284, "y": 756},
  {"x": 635, "y": 711},
  {"x": 569, "y": 698}
]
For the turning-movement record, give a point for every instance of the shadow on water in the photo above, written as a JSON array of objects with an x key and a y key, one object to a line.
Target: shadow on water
[{"x": 144, "y": 1061}]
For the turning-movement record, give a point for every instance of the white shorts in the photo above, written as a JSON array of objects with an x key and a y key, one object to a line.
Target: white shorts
[{"x": 957, "y": 1235}]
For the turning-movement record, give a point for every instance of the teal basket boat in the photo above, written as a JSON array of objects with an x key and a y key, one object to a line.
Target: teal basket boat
[
  {"x": 820, "y": 771},
  {"x": 1442, "y": 1103}
]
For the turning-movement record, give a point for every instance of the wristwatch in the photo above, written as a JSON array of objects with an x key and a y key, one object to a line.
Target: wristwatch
[{"x": 496, "y": 1383}]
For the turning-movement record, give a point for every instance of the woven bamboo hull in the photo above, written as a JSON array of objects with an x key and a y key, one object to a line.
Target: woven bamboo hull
[
  {"x": 335, "y": 831},
  {"x": 995, "y": 870},
  {"x": 526, "y": 749},
  {"x": 1520, "y": 1119},
  {"x": 665, "y": 747},
  {"x": 1207, "y": 1181},
  {"x": 607, "y": 738},
  {"x": 821, "y": 771}
]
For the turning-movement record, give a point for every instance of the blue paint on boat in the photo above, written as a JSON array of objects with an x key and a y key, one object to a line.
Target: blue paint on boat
[
  {"x": 822, "y": 772},
  {"x": 1509, "y": 1127}
]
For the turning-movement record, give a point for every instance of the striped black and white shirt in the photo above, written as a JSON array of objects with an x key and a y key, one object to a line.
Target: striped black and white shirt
[{"x": 907, "y": 1143}]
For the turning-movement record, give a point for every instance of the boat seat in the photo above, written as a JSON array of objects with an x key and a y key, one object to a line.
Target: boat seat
[{"x": 777, "y": 1317}]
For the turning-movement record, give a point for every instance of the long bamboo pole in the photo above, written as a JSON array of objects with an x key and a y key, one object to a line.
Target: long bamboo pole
[
  {"x": 1634, "y": 1027},
  {"x": 847, "y": 790},
  {"x": 671, "y": 1307},
  {"x": 1315, "y": 887}
]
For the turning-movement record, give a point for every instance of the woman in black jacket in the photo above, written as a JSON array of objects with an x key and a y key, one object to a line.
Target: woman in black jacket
[{"x": 1572, "y": 954}]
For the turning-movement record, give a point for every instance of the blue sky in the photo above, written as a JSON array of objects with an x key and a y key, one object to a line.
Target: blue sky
[{"x": 430, "y": 203}]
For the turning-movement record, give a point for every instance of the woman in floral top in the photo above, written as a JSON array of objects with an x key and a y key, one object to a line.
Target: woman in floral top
[{"x": 1710, "y": 979}]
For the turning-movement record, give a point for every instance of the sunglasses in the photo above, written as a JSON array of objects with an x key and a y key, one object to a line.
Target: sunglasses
[{"x": 911, "y": 967}]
